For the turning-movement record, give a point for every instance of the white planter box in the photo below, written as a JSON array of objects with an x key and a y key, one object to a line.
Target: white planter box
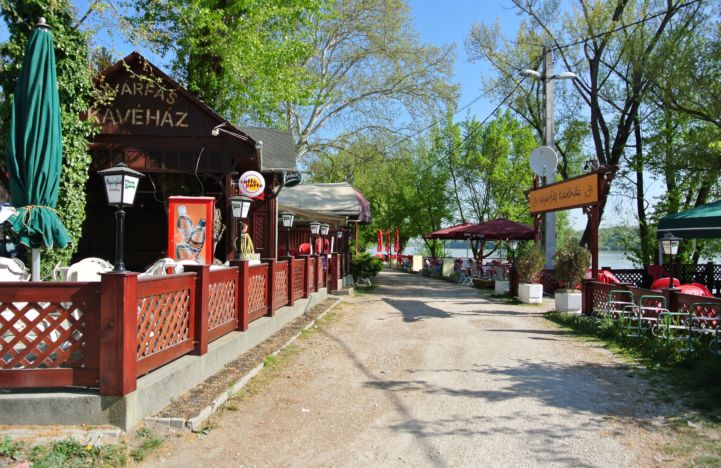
[
  {"x": 502, "y": 287},
  {"x": 568, "y": 302},
  {"x": 530, "y": 293}
]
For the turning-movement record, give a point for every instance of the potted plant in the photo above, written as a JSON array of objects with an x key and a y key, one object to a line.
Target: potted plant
[
  {"x": 528, "y": 264},
  {"x": 570, "y": 265}
]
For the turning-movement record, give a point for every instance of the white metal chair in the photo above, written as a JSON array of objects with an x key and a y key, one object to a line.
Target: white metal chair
[
  {"x": 13, "y": 269},
  {"x": 159, "y": 268},
  {"x": 88, "y": 269},
  {"x": 180, "y": 266}
]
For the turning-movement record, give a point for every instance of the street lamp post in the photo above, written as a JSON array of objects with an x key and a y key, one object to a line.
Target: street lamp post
[
  {"x": 121, "y": 184},
  {"x": 547, "y": 77},
  {"x": 241, "y": 206},
  {"x": 314, "y": 229},
  {"x": 324, "y": 228},
  {"x": 339, "y": 237},
  {"x": 670, "y": 244},
  {"x": 288, "y": 217}
]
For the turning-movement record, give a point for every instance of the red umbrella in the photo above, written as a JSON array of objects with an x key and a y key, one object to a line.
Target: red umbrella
[
  {"x": 388, "y": 240},
  {"x": 397, "y": 241},
  {"x": 380, "y": 241}
]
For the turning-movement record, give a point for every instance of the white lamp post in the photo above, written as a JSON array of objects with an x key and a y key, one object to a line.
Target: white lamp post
[
  {"x": 288, "y": 217},
  {"x": 670, "y": 244},
  {"x": 121, "y": 185},
  {"x": 241, "y": 207},
  {"x": 547, "y": 76}
]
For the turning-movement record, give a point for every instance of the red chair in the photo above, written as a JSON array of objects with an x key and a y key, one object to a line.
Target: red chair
[
  {"x": 662, "y": 283},
  {"x": 304, "y": 249},
  {"x": 656, "y": 272},
  {"x": 695, "y": 289}
]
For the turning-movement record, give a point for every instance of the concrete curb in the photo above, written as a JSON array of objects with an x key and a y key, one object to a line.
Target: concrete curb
[{"x": 197, "y": 423}]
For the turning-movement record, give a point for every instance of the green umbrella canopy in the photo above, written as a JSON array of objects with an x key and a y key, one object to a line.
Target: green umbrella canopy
[
  {"x": 701, "y": 222},
  {"x": 34, "y": 153}
]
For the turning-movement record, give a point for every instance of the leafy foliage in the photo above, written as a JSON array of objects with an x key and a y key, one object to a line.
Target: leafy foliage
[
  {"x": 365, "y": 266},
  {"x": 529, "y": 261},
  {"x": 570, "y": 264},
  {"x": 76, "y": 94},
  {"x": 243, "y": 58}
]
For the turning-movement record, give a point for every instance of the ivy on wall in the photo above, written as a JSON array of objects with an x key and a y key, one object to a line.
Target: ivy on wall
[{"x": 76, "y": 95}]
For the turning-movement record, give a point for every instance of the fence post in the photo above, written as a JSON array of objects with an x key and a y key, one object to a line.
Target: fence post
[
  {"x": 334, "y": 272},
  {"x": 291, "y": 299},
  {"x": 243, "y": 277},
  {"x": 271, "y": 286},
  {"x": 306, "y": 272},
  {"x": 202, "y": 297},
  {"x": 118, "y": 333},
  {"x": 586, "y": 298}
]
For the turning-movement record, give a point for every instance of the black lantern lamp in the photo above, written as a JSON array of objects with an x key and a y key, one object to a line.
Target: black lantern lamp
[
  {"x": 240, "y": 205},
  {"x": 670, "y": 244},
  {"x": 324, "y": 228},
  {"x": 513, "y": 245},
  {"x": 314, "y": 230},
  {"x": 288, "y": 217},
  {"x": 121, "y": 185},
  {"x": 339, "y": 237}
]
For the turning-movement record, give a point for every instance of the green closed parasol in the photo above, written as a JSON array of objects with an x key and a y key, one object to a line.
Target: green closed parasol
[{"x": 34, "y": 153}]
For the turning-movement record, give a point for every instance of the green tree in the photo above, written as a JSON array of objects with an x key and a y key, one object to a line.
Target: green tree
[
  {"x": 243, "y": 58},
  {"x": 611, "y": 46},
  {"x": 76, "y": 96},
  {"x": 368, "y": 69}
]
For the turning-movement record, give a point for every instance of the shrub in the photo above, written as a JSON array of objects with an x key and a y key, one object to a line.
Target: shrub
[
  {"x": 529, "y": 262},
  {"x": 365, "y": 266},
  {"x": 570, "y": 265}
]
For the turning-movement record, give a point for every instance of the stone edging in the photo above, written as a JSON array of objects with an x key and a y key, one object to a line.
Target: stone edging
[{"x": 195, "y": 424}]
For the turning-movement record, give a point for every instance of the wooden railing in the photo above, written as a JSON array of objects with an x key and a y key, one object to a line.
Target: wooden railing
[
  {"x": 105, "y": 334},
  {"x": 50, "y": 334}
]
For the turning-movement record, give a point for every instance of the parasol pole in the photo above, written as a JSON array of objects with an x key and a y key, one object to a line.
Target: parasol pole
[{"x": 36, "y": 265}]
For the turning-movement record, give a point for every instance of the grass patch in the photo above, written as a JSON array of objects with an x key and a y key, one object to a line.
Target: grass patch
[
  {"x": 273, "y": 365},
  {"x": 363, "y": 290},
  {"x": 149, "y": 441},
  {"x": 65, "y": 453},
  {"x": 691, "y": 378}
]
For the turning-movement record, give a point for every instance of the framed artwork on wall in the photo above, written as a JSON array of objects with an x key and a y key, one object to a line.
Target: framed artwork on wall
[{"x": 190, "y": 229}]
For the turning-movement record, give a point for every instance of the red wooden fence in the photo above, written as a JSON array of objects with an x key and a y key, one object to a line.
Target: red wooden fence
[{"x": 105, "y": 334}]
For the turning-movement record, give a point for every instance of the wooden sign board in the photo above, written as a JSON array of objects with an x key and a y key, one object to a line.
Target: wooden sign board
[{"x": 572, "y": 193}]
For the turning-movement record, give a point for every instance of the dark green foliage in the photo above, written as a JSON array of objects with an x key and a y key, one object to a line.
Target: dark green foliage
[
  {"x": 529, "y": 262},
  {"x": 365, "y": 266},
  {"x": 76, "y": 95},
  {"x": 570, "y": 264}
]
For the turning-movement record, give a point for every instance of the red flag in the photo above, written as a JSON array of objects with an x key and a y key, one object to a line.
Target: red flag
[
  {"x": 380, "y": 241},
  {"x": 397, "y": 242}
]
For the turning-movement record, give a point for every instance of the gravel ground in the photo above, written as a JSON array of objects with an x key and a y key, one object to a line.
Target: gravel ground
[{"x": 426, "y": 373}]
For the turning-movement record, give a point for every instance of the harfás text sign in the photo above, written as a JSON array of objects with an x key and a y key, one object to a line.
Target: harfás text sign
[{"x": 572, "y": 193}]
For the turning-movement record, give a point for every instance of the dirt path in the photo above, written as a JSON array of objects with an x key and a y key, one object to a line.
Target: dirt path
[{"x": 426, "y": 373}]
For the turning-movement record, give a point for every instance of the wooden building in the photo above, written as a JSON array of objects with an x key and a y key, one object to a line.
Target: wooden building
[{"x": 183, "y": 147}]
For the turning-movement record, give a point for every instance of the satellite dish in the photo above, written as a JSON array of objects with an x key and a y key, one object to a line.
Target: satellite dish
[{"x": 543, "y": 161}]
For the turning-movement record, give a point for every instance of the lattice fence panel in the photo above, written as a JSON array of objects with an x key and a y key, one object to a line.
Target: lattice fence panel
[
  {"x": 280, "y": 288},
  {"x": 163, "y": 321},
  {"x": 221, "y": 303},
  {"x": 630, "y": 276},
  {"x": 298, "y": 278},
  {"x": 600, "y": 297},
  {"x": 42, "y": 335},
  {"x": 258, "y": 291}
]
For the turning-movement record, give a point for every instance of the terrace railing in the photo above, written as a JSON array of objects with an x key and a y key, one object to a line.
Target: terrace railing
[{"x": 106, "y": 334}]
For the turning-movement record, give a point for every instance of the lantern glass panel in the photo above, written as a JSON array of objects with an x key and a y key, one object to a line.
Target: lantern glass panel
[
  {"x": 324, "y": 229},
  {"x": 314, "y": 227}
]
